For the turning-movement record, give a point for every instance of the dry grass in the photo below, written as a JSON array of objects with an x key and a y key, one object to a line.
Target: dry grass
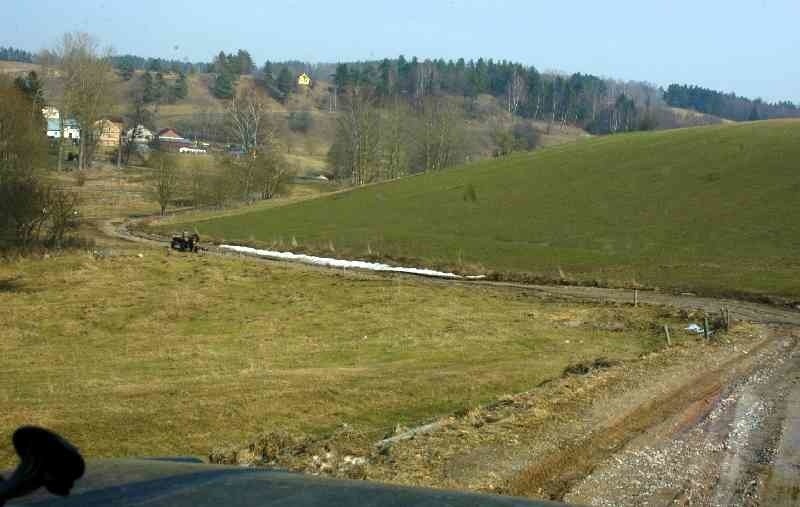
[
  {"x": 170, "y": 354},
  {"x": 108, "y": 192},
  {"x": 16, "y": 68}
]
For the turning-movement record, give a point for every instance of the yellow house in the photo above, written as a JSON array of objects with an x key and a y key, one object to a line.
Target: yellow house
[
  {"x": 303, "y": 80},
  {"x": 108, "y": 132}
]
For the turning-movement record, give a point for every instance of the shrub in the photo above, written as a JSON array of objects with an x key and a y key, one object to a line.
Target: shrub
[
  {"x": 469, "y": 193},
  {"x": 300, "y": 122}
]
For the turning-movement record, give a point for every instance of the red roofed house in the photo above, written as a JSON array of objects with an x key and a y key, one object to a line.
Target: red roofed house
[{"x": 171, "y": 140}]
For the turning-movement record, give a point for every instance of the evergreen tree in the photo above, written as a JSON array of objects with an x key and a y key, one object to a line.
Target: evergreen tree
[
  {"x": 154, "y": 64},
  {"x": 244, "y": 63},
  {"x": 32, "y": 87},
  {"x": 181, "y": 88},
  {"x": 161, "y": 89},
  {"x": 220, "y": 64},
  {"x": 285, "y": 81},
  {"x": 223, "y": 86},
  {"x": 267, "y": 71},
  {"x": 149, "y": 93},
  {"x": 386, "y": 79},
  {"x": 341, "y": 77},
  {"x": 126, "y": 69},
  {"x": 15, "y": 55}
]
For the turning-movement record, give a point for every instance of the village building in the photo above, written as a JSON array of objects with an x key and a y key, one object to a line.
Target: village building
[
  {"x": 139, "y": 135},
  {"x": 303, "y": 80},
  {"x": 53, "y": 119},
  {"x": 170, "y": 140},
  {"x": 108, "y": 132}
]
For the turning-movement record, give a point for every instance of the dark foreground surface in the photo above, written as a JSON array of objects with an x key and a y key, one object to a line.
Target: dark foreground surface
[{"x": 159, "y": 482}]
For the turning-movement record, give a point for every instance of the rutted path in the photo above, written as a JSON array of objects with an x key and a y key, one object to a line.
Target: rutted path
[
  {"x": 742, "y": 452},
  {"x": 739, "y": 310},
  {"x": 702, "y": 425}
]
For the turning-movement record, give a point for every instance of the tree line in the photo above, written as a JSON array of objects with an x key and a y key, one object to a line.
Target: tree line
[
  {"x": 128, "y": 64},
  {"x": 12, "y": 54},
  {"x": 597, "y": 105},
  {"x": 727, "y": 105}
]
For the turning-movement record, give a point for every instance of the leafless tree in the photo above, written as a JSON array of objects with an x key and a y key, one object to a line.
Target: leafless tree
[
  {"x": 248, "y": 121},
  {"x": 355, "y": 153},
  {"x": 62, "y": 215},
  {"x": 441, "y": 133},
  {"x": 515, "y": 91},
  {"x": 85, "y": 77},
  {"x": 395, "y": 140},
  {"x": 164, "y": 180}
]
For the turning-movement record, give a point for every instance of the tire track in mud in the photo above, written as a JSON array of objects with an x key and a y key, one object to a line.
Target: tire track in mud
[
  {"x": 554, "y": 476},
  {"x": 731, "y": 456}
]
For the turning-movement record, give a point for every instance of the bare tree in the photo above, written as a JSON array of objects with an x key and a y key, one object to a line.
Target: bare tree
[
  {"x": 272, "y": 173},
  {"x": 62, "y": 215},
  {"x": 248, "y": 120},
  {"x": 515, "y": 91},
  {"x": 441, "y": 133},
  {"x": 84, "y": 75},
  {"x": 395, "y": 140},
  {"x": 164, "y": 180},
  {"x": 355, "y": 153}
]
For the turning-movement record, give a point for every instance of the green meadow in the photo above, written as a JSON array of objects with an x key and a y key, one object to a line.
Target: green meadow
[{"x": 710, "y": 209}]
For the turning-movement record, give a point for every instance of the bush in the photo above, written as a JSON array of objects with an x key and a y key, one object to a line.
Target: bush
[
  {"x": 526, "y": 136},
  {"x": 469, "y": 193},
  {"x": 32, "y": 211},
  {"x": 300, "y": 122}
]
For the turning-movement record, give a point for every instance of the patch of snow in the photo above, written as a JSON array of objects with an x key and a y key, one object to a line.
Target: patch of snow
[
  {"x": 342, "y": 263},
  {"x": 694, "y": 328}
]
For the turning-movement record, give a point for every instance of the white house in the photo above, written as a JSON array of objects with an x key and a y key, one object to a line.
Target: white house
[
  {"x": 53, "y": 117},
  {"x": 139, "y": 134}
]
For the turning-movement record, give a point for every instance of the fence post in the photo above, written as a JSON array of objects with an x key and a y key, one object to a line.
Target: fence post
[
  {"x": 635, "y": 297},
  {"x": 666, "y": 332}
]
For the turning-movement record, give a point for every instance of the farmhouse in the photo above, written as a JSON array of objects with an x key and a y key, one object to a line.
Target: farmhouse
[
  {"x": 53, "y": 117},
  {"x": 303, "y": 80},
  {"x": 139, "y": 135},
  {"x": 170, "y": 140},
  {"x": 71, "y": 129},
  {"x": 108, "y": 132}
]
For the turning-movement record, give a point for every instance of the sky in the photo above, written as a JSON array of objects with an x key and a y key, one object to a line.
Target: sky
[{"x": 750, "y": 47}]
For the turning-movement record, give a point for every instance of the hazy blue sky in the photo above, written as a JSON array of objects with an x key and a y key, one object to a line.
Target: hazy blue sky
[{"x": 751, "y": 47}]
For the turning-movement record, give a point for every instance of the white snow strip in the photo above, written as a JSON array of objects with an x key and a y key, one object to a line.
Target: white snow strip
[{"x": 342, "y": 263}]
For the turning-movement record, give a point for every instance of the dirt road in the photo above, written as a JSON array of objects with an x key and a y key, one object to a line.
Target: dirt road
[
  {"x": 702, "y": 424},
  {"x": 744, "y": 451},
  {"x": 739, "y": 310}
]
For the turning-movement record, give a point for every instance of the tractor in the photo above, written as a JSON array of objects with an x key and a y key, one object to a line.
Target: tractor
[{"x": 186, "y": 242}]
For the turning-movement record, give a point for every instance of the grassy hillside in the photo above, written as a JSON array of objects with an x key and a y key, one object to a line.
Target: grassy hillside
[{"x": 711, "y": 209}]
